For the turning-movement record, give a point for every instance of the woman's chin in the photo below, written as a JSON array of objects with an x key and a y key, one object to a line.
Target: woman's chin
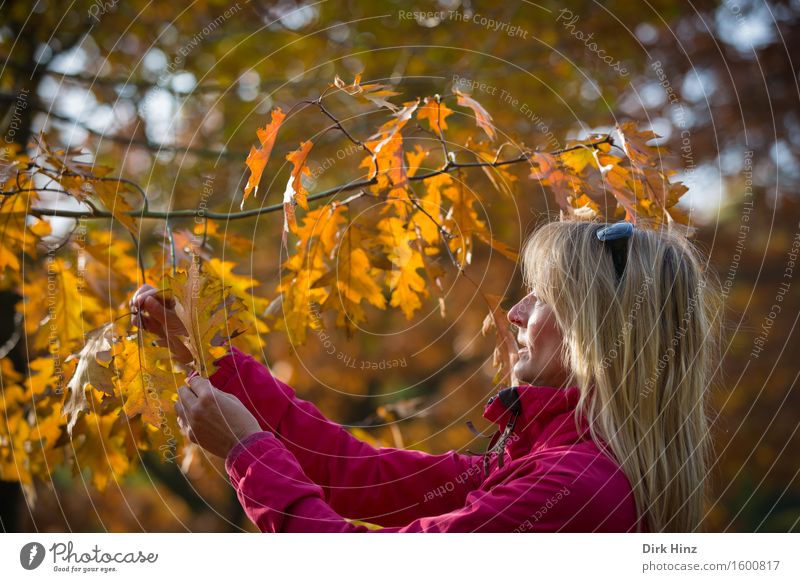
[{"x": 521, "y": 375}]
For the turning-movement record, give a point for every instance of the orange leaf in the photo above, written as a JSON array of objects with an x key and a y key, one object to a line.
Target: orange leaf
[
  {"x": 415, "y": 159},
  {"x": 436, "y": 113},
  {"x": 634, "y": 142},
  {"x": 258, "y": 158},
  {"x": 295, "y": 193}
]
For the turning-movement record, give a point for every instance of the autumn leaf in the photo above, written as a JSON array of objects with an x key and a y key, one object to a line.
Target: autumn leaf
[
  {"x": 103, "y": 448},
  {"x": 258, "y": 157},
  {"x": 406, "y": 285},
  {"x": 578, "y": 159},
  {"x": 462, "y": 221},
  {"x": 323, "y": 225},
  {"x": 386, "y": 145},
  {"x": 302, "y": 288},
  {"x": 415, "y": 159},
  {"x": 120, "y": 199},
  {"x": 47, "y": 376},
  {"x": 355, "y": 280},
  {"x": 209, "y": 312},
  {"x": 241, "y": 286},
  {"x": 14, "y": 436},
  {"x": 295, "y": 192},
  {"x": 504, "y": 249},
  {"x": 634, "y": 142},
  {"x": 93, "y": 370},
  {"x": 548, "y": 170},
  {"x": 435, "y": 112},
  {"x": 501, "y": 177},
  {"x": 110, "y": 268},
  {"x": 74, "y": 311},
  {"x": 371, "y": 92},
  {"x": 299, "y": 297},
  {"x": 20, "y": 232},
  {"x": 143, "y": 377},
  {"x": 482, "y": 117}
]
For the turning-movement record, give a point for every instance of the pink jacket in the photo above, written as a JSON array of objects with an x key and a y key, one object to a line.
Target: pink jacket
[{"x": 305, "y": 473}]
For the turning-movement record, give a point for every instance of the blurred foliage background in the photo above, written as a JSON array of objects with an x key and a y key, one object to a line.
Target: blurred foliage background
[{"x": 171, "y": 93}]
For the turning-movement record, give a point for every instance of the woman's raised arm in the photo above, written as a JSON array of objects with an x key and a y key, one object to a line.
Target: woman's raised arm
[{"x": 385, "y": 486}]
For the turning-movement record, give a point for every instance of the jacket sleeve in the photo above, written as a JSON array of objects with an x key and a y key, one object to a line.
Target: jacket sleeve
[
  {"x": 278, "y": 497},
  {"x": 385, "y": 486}
]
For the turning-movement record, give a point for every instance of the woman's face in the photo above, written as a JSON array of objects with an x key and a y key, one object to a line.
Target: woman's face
[{"x": 540, "y": 343}]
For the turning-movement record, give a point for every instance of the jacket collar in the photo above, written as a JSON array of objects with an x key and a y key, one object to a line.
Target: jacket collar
[{"x": 538, "y": 407}]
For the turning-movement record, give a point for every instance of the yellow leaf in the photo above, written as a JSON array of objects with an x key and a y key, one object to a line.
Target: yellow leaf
[
  {"x": 103, "y": 449},
  {"x": 578, "y": 159},
  {"x": 209, "y": 312},
  {"x": 71, "y": 311},
  {"x": 227, "y": 238},
  {"x": 405, "y": 283},
  {"x": 110, "y": 265},
  {"x": 241, "y": 285},
  {"x": 299, "y": 296},
  {"x": 19, "y": 232},
  {"x": 462, "y": 221},
  {"x": 48, "y": 375},
  {"x": 119, "y": 198},
  {"x": 321, "y": 224},
  {"x": 142, "y": 377},
  {"x": 14, "y": 462},
  {"x": 356, "y": 280}
]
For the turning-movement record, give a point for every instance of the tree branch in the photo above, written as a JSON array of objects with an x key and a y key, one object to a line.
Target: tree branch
[{"x": 355, "y": 185}]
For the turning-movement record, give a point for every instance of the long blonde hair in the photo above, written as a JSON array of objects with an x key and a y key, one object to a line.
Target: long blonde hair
[{"x": 643, "y": 355}]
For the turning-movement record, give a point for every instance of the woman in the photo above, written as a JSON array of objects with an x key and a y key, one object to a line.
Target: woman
[{"x": 607, "y": 431}]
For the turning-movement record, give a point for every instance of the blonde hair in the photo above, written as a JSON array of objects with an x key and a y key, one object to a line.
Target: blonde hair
[{"x": 643, "y": 355}]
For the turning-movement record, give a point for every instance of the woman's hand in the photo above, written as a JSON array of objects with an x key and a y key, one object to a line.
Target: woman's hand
[
  {"x": 155, "y": 314},
  {"x": 211, "y": 418}
]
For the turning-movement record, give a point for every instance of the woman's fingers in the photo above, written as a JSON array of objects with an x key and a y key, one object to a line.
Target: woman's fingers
[
  {"x": 186, "y": 397},
  {"x": 145, "y": 293},
  {"x": 156, "y": 310},
  {"x": 164, "y": 315},
  {"x": 140, "y": 294}
]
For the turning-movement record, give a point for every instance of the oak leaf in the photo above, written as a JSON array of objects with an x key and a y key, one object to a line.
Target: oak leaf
[
  {"x": 482, "y": 117},
  {"x": 435, "y": 112},
  {"x": 258, "y": 157},
  {"x": 295, "y": 192},
  {"x": 209, "y": 311}
]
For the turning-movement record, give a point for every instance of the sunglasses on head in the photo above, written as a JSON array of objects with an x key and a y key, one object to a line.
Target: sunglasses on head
[{"x": 615, "y": 237}]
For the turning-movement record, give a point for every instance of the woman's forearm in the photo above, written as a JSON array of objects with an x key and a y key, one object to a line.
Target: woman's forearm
[{"x": 387, "y": 486}]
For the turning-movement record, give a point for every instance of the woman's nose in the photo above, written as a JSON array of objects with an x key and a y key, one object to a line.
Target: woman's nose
[{"x": 516, "y": 315}]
